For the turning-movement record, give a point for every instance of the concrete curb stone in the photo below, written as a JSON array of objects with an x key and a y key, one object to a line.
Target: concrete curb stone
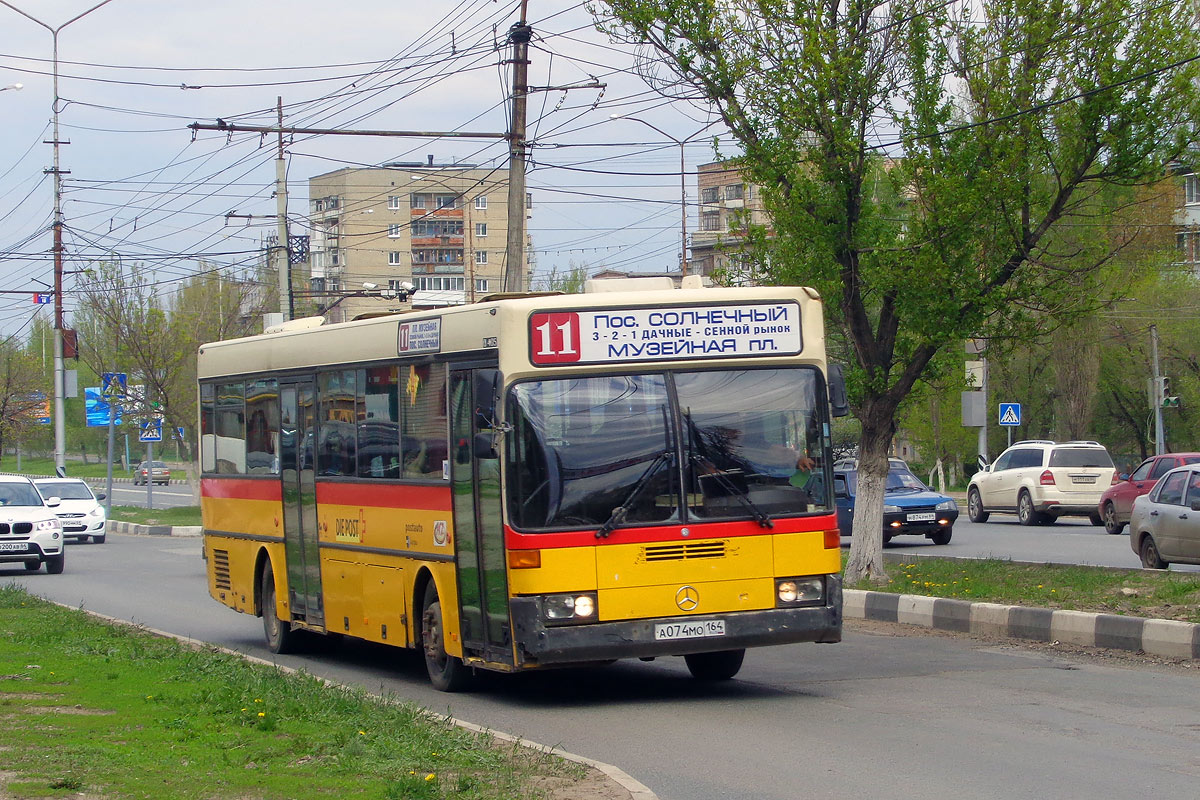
[{"x": 1170, "y": 638}]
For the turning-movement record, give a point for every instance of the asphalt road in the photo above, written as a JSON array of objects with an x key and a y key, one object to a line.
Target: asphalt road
[
  {"x": 1069, "y": 541},
  {"x": 891, "y": 712}
]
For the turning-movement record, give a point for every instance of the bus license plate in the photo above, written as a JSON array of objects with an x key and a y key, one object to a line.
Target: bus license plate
[
  {"x": 12, "y": 547},
  {"x": 927, "y": 516},
  {"x": 692, "y": 629}
]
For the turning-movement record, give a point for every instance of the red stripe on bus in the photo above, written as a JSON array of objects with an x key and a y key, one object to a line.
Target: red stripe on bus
[
  {"x": 515, "y": 540},
  {"x": 388, "y": 495},
  {"x": 241, "y": 489}
]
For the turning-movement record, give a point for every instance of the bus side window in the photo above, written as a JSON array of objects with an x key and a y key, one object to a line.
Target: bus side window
[
  {"x": 423, "y": 440},
  {"x": 379, "y": 425}
]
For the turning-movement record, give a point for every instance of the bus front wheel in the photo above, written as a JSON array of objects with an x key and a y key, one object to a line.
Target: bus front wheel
[
  {"x": 446, "y": 673},
  {"x": 719, "y": 666},
  {"x": 280, "y": 638}
]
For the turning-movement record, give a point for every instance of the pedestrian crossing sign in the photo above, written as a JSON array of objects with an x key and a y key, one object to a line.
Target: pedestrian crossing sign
[{"x": 1010, "y": 413}]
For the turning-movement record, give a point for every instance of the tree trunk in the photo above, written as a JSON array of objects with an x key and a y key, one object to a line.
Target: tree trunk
[{"x": 866, "y": 543}]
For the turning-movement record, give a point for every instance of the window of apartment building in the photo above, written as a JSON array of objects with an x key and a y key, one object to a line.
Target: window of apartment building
[
  {"x": 395, "y": 285},
  {"x": 481, "y": 202},
  {"x": 447, "y": 201},
  {"x": 481, "y": 256},
  {"x": 709, "y": 194},
  {"x": 393, "y": 258},
  {"x": 437, "y": 256},
  {"x": 481, "y": 284},
  {"x": 710, "y": 221},
  {"x": 1188, "y": 243},
  {"x": 1191, "y": 188},
  {"x": 733, "y": 191},
  {"x": 417, "y": 201},
  {"x": 436, "y": 283},
  {"x": 437, "y": 227},
  {"x": 393, "y": 231},
  {"x": 481, "y": 229},
  {"x": 393, "y": 202}
]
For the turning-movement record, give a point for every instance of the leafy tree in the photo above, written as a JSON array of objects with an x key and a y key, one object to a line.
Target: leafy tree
[
  {"x": 920, "y": 168},
  {"x": 569, "y": 281},
  {"x": 23, "y": 389}
]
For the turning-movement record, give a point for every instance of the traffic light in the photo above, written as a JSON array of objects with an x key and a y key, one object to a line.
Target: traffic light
[{"x": 1168, "y": 400}]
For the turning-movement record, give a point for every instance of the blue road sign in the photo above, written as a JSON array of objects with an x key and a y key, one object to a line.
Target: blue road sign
[
  {"x": 151, "y": 430},
  {"x": 96, "y": 408},
  {"x": 1010, "y": 413},
  {"x": 114, "y": 384}
]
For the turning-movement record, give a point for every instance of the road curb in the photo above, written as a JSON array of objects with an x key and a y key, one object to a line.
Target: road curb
[
  {"x": 1160, "y": 637},
  {"x": 137, "y": 529}
]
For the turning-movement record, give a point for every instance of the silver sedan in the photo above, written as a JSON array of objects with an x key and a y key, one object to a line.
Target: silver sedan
[{"x": 1164, "y": 526}]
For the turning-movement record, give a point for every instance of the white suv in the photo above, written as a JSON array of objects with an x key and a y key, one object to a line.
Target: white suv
[
  {"x": 1040, "y": 481},
  {"x": 30, "y": 531}
]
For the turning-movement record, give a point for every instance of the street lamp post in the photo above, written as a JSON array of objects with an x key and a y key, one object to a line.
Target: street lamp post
[
  {"x": 60, "y": 430},
  {"x": 683, "y": 259},
  {"x": 15, "y": 86}
]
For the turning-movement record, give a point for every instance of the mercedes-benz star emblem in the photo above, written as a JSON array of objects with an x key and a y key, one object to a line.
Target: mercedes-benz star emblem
[{"x": 687, "y": 598}]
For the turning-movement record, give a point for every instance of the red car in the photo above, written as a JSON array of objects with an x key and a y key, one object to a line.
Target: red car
[{"x": 1117, "y": 502}]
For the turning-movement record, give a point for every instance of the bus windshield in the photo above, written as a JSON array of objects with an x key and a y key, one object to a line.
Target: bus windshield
[{"x": 671, "y": 447}]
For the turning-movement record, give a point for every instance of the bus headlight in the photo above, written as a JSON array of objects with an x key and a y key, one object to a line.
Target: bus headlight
[
  {"x": 800, "y": 591},
  {"x": 562, "y": 609}
]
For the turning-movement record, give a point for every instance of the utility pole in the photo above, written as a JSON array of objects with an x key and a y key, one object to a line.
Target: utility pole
[
  {"x": 514, "y": 264},
  {"x": 282, "y": 251},
  {"x": 60, "y": 427},
  {"x": 1156, "y": 395}
]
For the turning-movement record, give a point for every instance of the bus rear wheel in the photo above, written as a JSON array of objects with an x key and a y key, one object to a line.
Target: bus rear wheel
[
  {"x": 279, "y": 635},
  {"x": 446, "y": 672},
  {"x": 719, "y": 666}
]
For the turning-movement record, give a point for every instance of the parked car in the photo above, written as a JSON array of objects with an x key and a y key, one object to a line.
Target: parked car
[
  {"x": 30, "y": 531},
  {"x": 161, "y": 474},
  {"x": 79, "y": 508},
  {"x": 1116, "y": 503},
  {"x": 1040, "y": 481},
  {"x": 910, "y": 507},
  {"x": 1164, "y": 526}
]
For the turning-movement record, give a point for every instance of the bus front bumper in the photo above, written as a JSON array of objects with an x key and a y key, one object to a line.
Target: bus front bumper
[{"x": 538, "y": 644}]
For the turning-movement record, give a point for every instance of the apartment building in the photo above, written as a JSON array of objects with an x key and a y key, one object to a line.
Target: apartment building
[
  {"x": 728, "y": 206},
  {"x": 441, "y": 227}
]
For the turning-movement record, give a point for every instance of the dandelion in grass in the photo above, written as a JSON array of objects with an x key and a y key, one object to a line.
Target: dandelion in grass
[
  {"x": 262, "y": 713},
  {"x": 430, "y": 777},
  {"x": 362, "y": 733}
]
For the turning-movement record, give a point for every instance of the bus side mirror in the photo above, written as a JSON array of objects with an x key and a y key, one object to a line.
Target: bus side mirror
[
  {"x": 487, "y": 393},
  {"x": 485, "y": 445},
  {"x": 839, "y": 406}
]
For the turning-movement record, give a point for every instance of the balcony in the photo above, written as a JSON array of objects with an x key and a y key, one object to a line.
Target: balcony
[{"x": 453, "y": 213}]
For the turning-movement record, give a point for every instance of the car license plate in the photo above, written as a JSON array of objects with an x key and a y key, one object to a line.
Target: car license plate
[
  {"x": 924, "y": 516},
  {"x": 692, "y": 629},
  {"x": 1083, "y": 479},
  {"x": 13, "y": 547}
]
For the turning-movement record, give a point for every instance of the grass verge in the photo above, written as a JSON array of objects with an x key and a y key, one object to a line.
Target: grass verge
[
  {"x": 1135, "y": 592},
  {"x": 109, "y": 711},
  {"x": 179, "y": 515}
]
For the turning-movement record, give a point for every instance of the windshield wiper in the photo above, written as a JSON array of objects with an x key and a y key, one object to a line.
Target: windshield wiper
[
  {"x": 739, "y": 494},
  {"x": 622, "y": 511}
]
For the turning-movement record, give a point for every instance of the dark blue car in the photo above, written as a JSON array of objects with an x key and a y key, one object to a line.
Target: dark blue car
[{"x": 910, "y": 507}]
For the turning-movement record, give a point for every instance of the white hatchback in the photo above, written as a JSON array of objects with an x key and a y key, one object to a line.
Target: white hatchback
[
  {"x": 80, "y": 510},
  {"x": 30, "y": 531}
]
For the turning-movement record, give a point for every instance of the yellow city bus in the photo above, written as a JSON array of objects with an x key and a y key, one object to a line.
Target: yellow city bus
[{"x": 532, "y": 481}]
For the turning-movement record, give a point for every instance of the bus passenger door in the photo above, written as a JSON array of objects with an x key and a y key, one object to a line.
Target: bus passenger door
[
  {"x": 297, "y": 415},
  {"x": 478, "y": 530}
]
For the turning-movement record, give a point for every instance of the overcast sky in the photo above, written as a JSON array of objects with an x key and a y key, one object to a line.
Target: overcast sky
[{"x": 605, "y": 192}]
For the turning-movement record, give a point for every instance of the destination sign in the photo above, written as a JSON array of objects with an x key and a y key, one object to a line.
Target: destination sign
[
  {"x": 664, "y": 334},
  {"x": 420, "y": 336}
]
